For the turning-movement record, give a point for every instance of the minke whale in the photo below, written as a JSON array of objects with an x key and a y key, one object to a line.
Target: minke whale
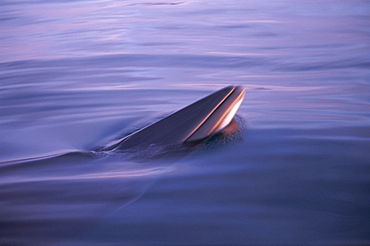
[{"x": 191, "y": 124}]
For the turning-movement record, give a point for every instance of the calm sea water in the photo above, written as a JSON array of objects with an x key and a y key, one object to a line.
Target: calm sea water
[{"x": 76, "y": 75}]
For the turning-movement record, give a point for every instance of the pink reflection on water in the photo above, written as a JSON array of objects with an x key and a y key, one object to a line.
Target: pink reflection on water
[{"x": 80, "y": 29}]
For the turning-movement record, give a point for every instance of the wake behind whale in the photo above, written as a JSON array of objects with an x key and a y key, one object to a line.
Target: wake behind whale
[{"x": 174, "y": 135}]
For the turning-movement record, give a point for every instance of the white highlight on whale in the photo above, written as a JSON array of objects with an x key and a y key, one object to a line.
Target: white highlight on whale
[{"x": 229, "y": 116}]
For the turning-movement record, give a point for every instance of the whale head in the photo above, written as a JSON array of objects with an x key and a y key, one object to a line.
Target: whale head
[{"x": 193, "y": 123}]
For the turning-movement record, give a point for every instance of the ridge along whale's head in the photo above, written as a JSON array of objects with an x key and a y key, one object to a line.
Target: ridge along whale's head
[{"x": 193, "y": 123}]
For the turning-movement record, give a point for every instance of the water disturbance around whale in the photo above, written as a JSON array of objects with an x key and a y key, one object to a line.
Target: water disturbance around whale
[{"x": 195, "y": 122}]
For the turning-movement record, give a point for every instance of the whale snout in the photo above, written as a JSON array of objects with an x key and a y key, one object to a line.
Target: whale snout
[
  {"x": 221, "y": 115},
  {"x": 192, "y": 123}
]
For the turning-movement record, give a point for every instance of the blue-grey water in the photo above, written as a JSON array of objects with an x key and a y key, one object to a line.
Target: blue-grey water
[{"x": 76, "y": 75}]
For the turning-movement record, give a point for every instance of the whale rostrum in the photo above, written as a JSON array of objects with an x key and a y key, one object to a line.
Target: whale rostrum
[{"x": 190, "y": 124}]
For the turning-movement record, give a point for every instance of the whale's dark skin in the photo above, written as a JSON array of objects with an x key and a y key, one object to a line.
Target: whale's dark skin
[{"x": 190, "y": 124}]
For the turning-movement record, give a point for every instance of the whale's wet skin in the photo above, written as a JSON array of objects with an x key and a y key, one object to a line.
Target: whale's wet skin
[
  {"x": 191, "y": 124},
  {"x": 84, "y": 83}
]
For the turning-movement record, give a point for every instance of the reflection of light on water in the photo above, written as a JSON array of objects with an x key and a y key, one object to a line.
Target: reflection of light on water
[
  {"x": 125, "y": 174},
  {"x": 142, "y": 173},
  {"x": 240, "y": 54},
  {"x": 289, "y": 88}
]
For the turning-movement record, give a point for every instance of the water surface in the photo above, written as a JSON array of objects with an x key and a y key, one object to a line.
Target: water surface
[{"x": 76, "y": 75}]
